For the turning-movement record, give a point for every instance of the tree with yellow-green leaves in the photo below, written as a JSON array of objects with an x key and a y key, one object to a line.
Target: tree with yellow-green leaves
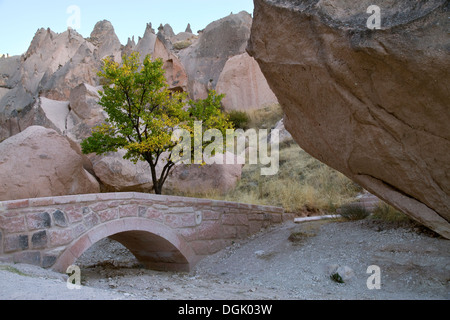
[{"x": 143, "y": 115}]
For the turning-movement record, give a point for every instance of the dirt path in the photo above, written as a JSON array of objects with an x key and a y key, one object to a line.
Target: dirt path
[{"x": 267, "y": 266}]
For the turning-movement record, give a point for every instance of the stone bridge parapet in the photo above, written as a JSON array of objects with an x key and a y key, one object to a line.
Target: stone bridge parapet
[{"x": 163, "y": 232}]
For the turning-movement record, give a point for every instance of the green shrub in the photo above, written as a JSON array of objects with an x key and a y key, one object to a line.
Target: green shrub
[
  {"x": 240, "y": 119},
  {"x": 387, "y": 213},
  {"x": 336, "y": 277},
  {"x": 182, "y": 45},
  {"x": 354, "y": 212}
]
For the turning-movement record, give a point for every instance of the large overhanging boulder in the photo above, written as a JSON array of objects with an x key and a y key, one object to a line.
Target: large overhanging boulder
[{"x": 373, "y": 104}]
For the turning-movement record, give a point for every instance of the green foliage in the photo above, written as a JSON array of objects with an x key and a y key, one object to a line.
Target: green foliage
[
  {"x": 210, "y": 112},
  {"x": 182, "y": 45},
  {"x": 240, "y": 119},
  {"x": 143, "y": 114},
  {"x": 336, "y": 277},
  {"x": 387, "y": 213},
  {"x": 13, "y": 270},
  {"x": 354, "y": 212}
]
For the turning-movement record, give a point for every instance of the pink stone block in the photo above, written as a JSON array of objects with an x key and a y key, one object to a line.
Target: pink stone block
[
  {"x": 78, "y": 230},
  {"x": 115, "y": 227},
  {"x": 13, "y": 224},
  {"x": 210, "y": 230},
  {"x": 102, "y": 197},
  {"x": 276, "y": 218},
  {"x": 229, "y": 232},
  {"x": 176, "y": 221},
  {"x": 80, "y": 246},
  {"x": 288, "y": 217},
  {"x": 260, "y": 216},
  {"x": 189, "y": 234},
  {"x": 229, "y": 219},
  {"x": 124, "y": 195},
  {"x": 60, "y": 237},
  {"x": 151, "y": 213},
  {"x": 211, "y": 215},
  {"x": 128, "y": 211},
  {"x": 242, "y": 232},
  {"x": 235, "y": 219},
  {"x": 108, "y": 214},
  {"x": 74, "y": 214},
  {"x": 114, "y": 204},
  {"x": 255, "y": 226},
  {"x": 84, "y": 198},
  {"x": 65, "y": 199},
  {"x": 17, "y": 204},
  {"x": 99, "y": 206},
  {"x": 98, "y": 233},
  {"x": 64, "y": 261},
  {"x": 207, "y": 247},
  {"x": 204, "y": 202},
  {"x": 41, "y": 202},
  {"x": 38, "y": 220}
]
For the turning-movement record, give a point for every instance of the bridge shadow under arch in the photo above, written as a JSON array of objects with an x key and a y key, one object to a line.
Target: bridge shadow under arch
[{"x": 154, "y": 245}]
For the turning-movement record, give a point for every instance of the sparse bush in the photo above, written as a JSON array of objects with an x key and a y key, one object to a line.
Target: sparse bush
[
  {"x": 354, "y": 212},
  {"x": 240, "y": 119},
  {"x": 336, "y": 277},
  {"x": 300, "y": 237},
  {"x": 303, "y": 185},
  {"x": 265, "y": 118},
  {"x": 13, "y": 270},
  {"x": 182, "y": 45},
  {"x": 386, "y": 212}
]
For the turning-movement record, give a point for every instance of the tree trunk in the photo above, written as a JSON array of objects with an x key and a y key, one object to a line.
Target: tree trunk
[
  {"x": 156, "y": 185},
  {"x": 158, "y": 188}
]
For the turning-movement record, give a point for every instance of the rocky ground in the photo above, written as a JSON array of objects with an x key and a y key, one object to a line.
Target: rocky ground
[{"x": 287, "y": 262}]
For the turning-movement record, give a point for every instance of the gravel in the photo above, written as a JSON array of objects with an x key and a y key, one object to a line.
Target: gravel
[{"x": 287, "y": 262}]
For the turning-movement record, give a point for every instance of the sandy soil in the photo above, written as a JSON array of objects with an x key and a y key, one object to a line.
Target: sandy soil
[{"x": 287, "y": 262}]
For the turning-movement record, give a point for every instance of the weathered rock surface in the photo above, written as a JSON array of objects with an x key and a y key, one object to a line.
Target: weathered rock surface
[
  {"x": 175, "y": 72},
  {"x": 53, "y": 65},
  {"x": 117, "y": 174},
  {"x": 146, "y": 44},
  {"x": 9, "y": 67},
  {"x": 105, "y": 39},
  {"x": 45, "y": 165},
  {"x": 85, "y": 112},
  {"x": 283, "y": 134},
  {"x": 244, "y": 84},
  {"x": 206, "y": 58},
  {"x": 206, "y": 179},
  {"x": 372, "y": 104}
]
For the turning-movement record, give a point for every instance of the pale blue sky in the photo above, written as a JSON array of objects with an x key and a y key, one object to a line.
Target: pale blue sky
[{"x": 19, "y": 20}]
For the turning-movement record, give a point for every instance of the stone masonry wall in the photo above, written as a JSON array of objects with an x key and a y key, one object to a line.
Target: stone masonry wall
[{"x": 38, "y": 231}]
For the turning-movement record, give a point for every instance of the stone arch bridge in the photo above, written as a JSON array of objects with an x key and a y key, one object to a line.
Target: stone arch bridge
[{"x": 163, "y": 232}]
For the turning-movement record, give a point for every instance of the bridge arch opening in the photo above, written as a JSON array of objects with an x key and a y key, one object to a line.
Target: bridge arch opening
[{"x": 154, "y": 245}]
